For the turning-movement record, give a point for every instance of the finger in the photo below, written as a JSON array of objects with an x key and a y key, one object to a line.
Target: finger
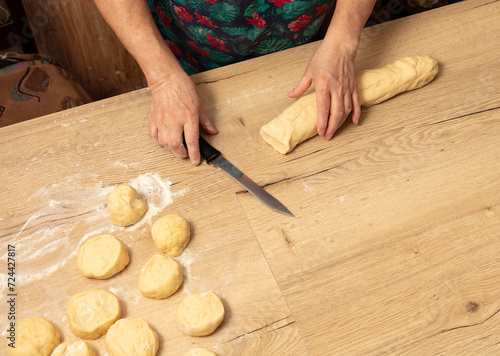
[
  {"x": 323, "y": 106},
  {"x": 174, "y": 134},
  {"x": 341, "y": 118},
  {"x": 356, "y": 107},
  {"x": 337, "y": 114},
  {"x": 303, "y": 84},
  {"x": 162, "y": 133},
  {"x": 347, "y": 107},
  {"x": 206, "y": 125},
  {"x": 191, "y": 135},
  {"x": 153, "y": 131}
]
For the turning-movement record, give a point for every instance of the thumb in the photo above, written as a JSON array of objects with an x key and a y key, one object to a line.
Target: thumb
[
  {"x": 303, "y": 84},
  {"x": 206, "y": 125}
]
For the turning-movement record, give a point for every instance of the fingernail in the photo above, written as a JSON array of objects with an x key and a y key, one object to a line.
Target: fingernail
[{"x": 195, "y": 162}]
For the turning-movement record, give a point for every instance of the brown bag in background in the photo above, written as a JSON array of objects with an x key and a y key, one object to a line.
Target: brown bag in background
[{"x": 33, "y": 85}]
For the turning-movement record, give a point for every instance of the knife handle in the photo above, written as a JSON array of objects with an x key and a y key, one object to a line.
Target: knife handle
[{"x": 207, "y": 151}]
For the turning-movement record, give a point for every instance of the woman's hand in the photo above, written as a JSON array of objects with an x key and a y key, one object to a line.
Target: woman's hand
[
  {"x": 331, "y": 68},
  {"x": 176, "y": 109}
]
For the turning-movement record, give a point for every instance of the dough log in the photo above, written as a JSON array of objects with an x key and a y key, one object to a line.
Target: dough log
[{"x": 297, "y": 123}]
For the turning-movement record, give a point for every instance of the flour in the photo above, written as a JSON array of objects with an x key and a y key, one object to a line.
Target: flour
[
  {"x": 186, "y": 259},
  {"x": 70, "y": 213},
  {"x": 157, "y": 194}
]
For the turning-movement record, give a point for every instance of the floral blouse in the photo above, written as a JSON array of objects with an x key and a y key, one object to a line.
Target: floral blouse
[{"x": 206, "y": 34}]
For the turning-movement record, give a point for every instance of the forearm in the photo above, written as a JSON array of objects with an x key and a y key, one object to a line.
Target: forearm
[
  {"x": 132, "y": 22},
  {"x": 348, "y": 22}
]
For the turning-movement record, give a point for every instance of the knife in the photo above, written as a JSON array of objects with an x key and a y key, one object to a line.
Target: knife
[{"x": 215, "y": 158}]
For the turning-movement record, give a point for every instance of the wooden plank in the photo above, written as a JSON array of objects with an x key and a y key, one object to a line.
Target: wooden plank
[
  {"x": 76, "y": 35},
  {"x": 394, "y": 248},
  {"x": 56, "y": 174},
  {"x": 397, "y": 228}
]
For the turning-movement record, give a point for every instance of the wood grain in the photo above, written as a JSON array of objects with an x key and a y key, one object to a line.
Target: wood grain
[
  {"x": 76, "y": 35},
  {"x": 50, "y": 211},
  {"x": 395, "y": 244}
]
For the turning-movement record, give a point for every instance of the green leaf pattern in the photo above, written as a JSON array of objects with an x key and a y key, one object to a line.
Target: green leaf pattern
[{"x": 211, "y": 33}]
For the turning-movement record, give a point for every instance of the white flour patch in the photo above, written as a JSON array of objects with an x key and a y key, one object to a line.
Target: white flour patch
[
  {"x": 156, "y": 192},
  {"x": 307, "y": 188},
  {"x": 71, "y": 212},
  {"x": 71, "y": 123},
  {"x": 130, "y": 165},
  {"x": 125, "y": 289},
  {"x": 120, "y": 164},
  {"x": 186, "y": 259}
]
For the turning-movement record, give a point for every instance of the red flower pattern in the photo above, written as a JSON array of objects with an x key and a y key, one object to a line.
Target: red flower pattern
[
  {"x": 299, "y": 22},
  {"x": 163, "y": 16},
  {"x": 201, "y": 51},
  {"x": 183, "y": 14},
  {"x": 257, "y": 20},
  {"x": 280, "y": 3},
  {"x": 204, "y": 20},
  {"x": 321, "y": 9},
  {"x": 217, "y": 43},
  {"x": 192, "y": 60},
  {"x": 203, "y": 46},
  {"x": 173, "y": 47}
]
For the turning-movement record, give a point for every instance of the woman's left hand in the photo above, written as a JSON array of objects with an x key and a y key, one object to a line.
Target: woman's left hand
[{"x": 331, "y": 68}]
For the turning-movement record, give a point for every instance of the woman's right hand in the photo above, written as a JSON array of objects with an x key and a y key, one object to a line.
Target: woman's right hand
[{"x": 176, "y": 109}]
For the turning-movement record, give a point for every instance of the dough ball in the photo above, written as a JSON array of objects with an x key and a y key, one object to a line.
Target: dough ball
[
  {"x": 160, "y": 277},
  {"x": 171, "y": 234},
  {"x": 92, "y": 312},
  {"x": 131, "y": 336},
  {"x": 35, "y": 337},
  {"x": 102, "y": 257},
  {"x": 200, "y": 352},
  {"x": 73, "y": 348},
  {"x": 200, "y": 314},
  {"x": 125, "y": 206}
]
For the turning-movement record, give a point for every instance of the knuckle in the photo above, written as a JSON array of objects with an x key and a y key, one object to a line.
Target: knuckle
[
  {"x": 162, "y": 141},
  {"x": 174, "y": 144},
  {"x": 325, "y": 109}
]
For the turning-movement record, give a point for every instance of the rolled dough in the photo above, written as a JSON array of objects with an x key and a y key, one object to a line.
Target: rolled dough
[
  {"x": 131, "y": 336},
  {"x": 160, "y": 277},
  {"x": 171, "y": 234},
  {"x": 200, "y": 314},
  {"x": 73, "y": 348},
  {"x": 35, "y": 337},
  {"x": 125, "y": 207},
  {"x": 102, "y": 257},
  {"x": 297, "y": 123},
  {"x": 92, "y": 312}
]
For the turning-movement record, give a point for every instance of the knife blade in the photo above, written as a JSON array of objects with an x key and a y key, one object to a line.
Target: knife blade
[{"x": 215, "y": 158}]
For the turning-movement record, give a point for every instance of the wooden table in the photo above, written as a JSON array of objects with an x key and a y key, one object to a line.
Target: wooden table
[{"x": 395, "y": 248}]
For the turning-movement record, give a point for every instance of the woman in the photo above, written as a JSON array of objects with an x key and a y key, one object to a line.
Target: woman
[{"x": 186, "y": 36}]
